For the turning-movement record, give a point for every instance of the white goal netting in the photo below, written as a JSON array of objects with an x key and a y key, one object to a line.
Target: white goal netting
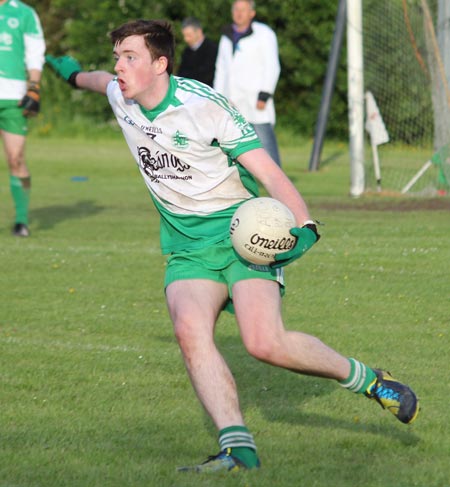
[{"x": 406, "y": 46}]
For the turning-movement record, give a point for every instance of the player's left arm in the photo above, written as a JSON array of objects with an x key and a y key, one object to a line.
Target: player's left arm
[{"x": 279, "y": 186}]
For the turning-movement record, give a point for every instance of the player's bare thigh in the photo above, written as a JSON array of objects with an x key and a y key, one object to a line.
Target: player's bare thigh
[
  {"x": 14, "y": 147},
  {"x": 257, "y": 304},
  {"x": 194, "y": 304}
]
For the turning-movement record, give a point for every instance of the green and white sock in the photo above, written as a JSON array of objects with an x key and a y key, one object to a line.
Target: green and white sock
[
  {"x": 360, "y": 377},
  {"x": 242, "y": 444},
  {"x": 20, "y": 191}
]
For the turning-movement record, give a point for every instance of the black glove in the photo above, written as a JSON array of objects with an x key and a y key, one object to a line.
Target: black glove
[{"x": 31, "y": 102}]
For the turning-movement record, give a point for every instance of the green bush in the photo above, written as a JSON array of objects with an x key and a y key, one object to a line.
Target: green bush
[{"x": 305, "y": 32}]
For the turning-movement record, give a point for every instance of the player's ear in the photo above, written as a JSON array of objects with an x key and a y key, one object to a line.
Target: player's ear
[{"x": 161, "y": 64}]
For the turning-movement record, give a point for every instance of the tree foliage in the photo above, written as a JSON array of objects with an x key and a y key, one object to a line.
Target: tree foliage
[{"x": 304, "y": 29}]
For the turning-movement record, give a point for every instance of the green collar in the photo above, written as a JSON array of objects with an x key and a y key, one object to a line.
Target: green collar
[{"x": 169, "y": 99}]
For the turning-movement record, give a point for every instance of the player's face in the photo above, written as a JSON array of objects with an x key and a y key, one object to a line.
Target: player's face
[
  {"x": 242, "y": 14},
  {"x": 136, "y": 71}
]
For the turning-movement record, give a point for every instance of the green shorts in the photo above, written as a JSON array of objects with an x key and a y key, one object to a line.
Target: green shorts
[
  {"x": 218, "y": 263},
  {"x": 11, "y": 118}
]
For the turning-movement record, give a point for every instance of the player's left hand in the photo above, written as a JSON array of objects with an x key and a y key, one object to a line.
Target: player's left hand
[
  {"x": 31, "y": 102},
  {"x": 307, "y": 236}
]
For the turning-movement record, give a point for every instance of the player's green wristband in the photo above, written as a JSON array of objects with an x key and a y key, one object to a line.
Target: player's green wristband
[
  {"x": 307, "y": 236},
  {"x": 65, "y": 66}
]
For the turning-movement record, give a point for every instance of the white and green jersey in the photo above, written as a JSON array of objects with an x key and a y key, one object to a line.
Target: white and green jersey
[
  {"x": 186, "y": 149},
  {"x": 22, "y": 47}
]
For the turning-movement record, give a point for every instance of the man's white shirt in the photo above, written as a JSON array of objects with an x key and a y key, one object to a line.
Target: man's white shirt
[{"x": 254, "y": 67}]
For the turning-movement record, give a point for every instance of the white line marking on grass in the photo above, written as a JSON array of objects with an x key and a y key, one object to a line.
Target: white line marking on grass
[{"x": 55, "y": 344}]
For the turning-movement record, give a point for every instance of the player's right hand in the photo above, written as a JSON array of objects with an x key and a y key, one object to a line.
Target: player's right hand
[{"x": 65, "y": 66}]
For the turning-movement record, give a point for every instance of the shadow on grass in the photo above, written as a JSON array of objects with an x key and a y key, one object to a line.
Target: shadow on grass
[
  {"x": 296, "y": 175},
  {"x": 47, "y": 217},
  {"x": 331, "y": 158},
  {"x": 405, "y": 437},
  {"x": 279, "y": 394},
  {"x": 280, "y": 400}
]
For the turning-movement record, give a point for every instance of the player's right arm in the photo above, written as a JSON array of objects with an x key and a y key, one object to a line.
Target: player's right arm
[
  {"x": 93, "y": 80},
  {"x": 70, "y": 70}
]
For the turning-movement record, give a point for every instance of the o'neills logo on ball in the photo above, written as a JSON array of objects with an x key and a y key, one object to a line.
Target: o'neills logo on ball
[
  {"x": 234, "y": 225},
  {"x": 272, "y": 244}
]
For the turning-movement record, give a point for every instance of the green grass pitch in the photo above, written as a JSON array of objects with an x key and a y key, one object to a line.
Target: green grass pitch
[{"x": 93, "y": 391}]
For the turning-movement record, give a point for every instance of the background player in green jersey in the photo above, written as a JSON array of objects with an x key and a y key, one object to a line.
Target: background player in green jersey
[
  {"x": 198, "y": 157},
  {"x": 22, "y": 49}
]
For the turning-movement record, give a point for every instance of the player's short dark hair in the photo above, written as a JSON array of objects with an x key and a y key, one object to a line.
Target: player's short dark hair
[{"x": 158, "y": 36}]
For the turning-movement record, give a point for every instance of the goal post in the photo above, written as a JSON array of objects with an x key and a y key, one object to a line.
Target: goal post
[
  {"x": 395, "y": 52},
  {"x": 355, "y": 81},
  {"x": 441, "y": 159}
]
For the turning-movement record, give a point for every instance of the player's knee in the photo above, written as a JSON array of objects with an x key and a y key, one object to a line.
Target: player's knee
[
  {"x": 181, "y": 331},
  {"x": 15, "y": 162},
  {"x": 262, "y": 348},
  {"x": 186, "y": 334}
]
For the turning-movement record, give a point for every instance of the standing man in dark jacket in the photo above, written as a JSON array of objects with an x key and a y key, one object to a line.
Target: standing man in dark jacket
[{"x": 199, "y": 57}]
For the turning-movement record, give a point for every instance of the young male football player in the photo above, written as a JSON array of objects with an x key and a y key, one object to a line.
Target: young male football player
[
  {"x": 199, "y": 159},
  {"x": 22, "y": 49}
]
